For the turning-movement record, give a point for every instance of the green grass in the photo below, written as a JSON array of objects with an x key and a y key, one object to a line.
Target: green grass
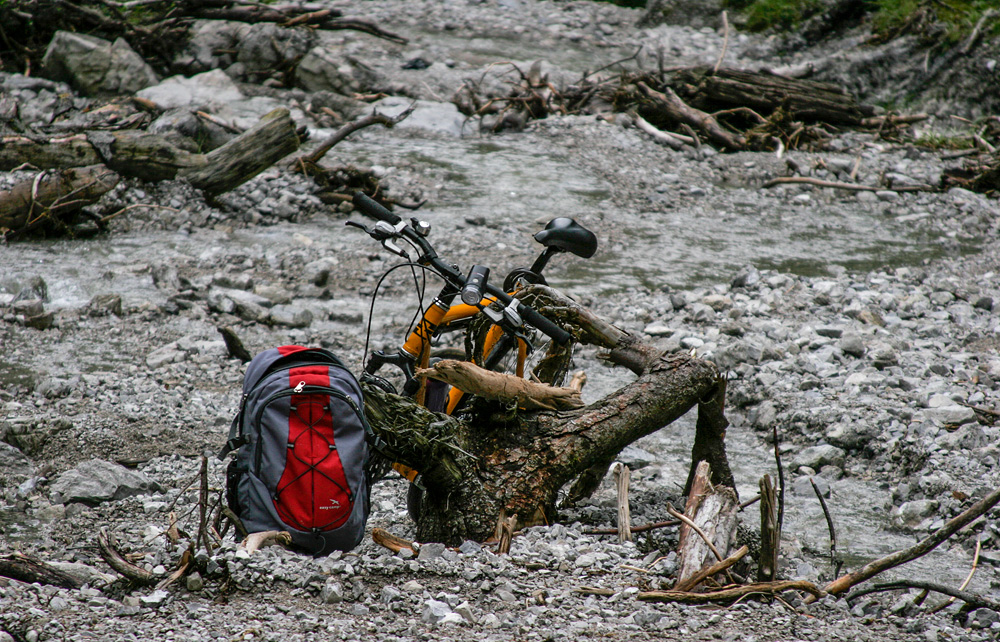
[
  {"x": 956, "y": 17},
  {"x": 775, "y": 14},
  {"x": 945, "y": 21}
]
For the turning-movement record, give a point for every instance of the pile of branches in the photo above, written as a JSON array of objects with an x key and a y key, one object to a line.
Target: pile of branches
[
  {"x": 731, "y": 109},
  {"x": 154, "y": 28}
]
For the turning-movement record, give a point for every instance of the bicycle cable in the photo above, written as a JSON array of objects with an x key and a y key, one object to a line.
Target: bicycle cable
[{"x": 371, "y": 306}]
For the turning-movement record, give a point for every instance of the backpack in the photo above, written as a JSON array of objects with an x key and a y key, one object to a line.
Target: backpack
[{"x": 302, "y": 445}]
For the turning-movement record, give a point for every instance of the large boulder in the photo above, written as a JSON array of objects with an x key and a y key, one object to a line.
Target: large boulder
[
  {"x": 268, "y": 50},
  {"x": 208, "y": 91},
  {"x": 96, "y": 481},
  {"x": 95, "y": 66},
  {"x": 324, "y": 69}
]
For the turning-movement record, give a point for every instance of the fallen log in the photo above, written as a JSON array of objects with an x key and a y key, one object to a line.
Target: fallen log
[
  {"x": 34, "y": 571},
  {"x": 50, "y": 196},
  {"x": 529, "y": 395},
  {"x": 764, "y": 92},
  {"x": 515, "y": 463}
]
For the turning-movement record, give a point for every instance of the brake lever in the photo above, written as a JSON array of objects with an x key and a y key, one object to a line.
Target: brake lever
[{"x": 384, "y": 233}]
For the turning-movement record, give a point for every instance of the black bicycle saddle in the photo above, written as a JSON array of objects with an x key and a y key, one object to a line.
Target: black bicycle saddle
[{"x": 566, "y": 234}]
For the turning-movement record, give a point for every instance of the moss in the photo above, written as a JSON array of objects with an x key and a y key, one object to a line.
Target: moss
[{"x": 778, "y": 14}]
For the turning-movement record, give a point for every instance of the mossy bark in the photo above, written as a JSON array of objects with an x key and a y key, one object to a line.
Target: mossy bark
[{"x": 516, "y": 462}]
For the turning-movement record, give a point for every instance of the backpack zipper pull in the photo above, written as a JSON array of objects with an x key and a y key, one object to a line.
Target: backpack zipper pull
[{"x": 298, "y": 388}]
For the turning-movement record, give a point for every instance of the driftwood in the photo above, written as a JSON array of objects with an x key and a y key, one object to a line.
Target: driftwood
[
  {"x": 972, "y": 600},
  {"x": 765, "y": 92},
  {"x": 49, "y": 196},
  {"x": 675, "y": 108},
  {"x": 395, "y": 544},
  {"x": 498, "y": 461},
  {"x": 709, "y": 571},
  {"x": 770, "y": 532},
  {"x": 709, "y": 528},
  {"x": 529, "y": 395},
  {"x": 153, "y": 157},
  {"x": 622, "y": 476},
  {"x": 114, "y": 558},
  {"x": 731, "y": 594},
  {"x": 30, "y": 570},
  {"x": 807, "y": 180},
  {"x": 257, "y": 541},
  {"x": 921, "y": 548}
]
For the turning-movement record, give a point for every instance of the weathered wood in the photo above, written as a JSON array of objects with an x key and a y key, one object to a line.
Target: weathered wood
[
  {"x": 111, "y": 555},
  {"x": 30, "y": 570},
  {"x": 710, "y": 439},
  {"x": 709, "y": 571},
  {"x": 712, "y": 511},
  {"x": 676, "y": 109},
  {"x": 471, "y": 473},
  {"x": 487, "y": 384},
  {"x": 152, "y": 157},
  {"x": 51, "y": 195},
  {"x": 622, "y": 476},
  {"x": 770, "y": 535},
  {"x": 245, "y": 156},
  {"x": 392, "y": 542},
  {"x": 731, "y": 594},
  {"x": 764, "y": 92}
]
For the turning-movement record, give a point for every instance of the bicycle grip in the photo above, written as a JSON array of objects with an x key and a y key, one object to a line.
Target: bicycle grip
[
  {"x": 373, "y": 209},
  {"x": 533, "y": 317}
]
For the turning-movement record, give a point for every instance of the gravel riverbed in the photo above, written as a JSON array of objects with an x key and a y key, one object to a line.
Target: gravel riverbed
[{"x": 862, "y": 326}]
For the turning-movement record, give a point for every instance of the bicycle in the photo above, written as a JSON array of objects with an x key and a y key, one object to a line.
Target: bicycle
[{"x": 507, "y": 319}]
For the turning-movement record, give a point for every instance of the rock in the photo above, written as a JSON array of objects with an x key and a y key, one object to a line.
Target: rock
[
  {"x": 764, "y": 415},
  {"x": 95, "y": 66},
  {"x": 465, "y": 611},
  {"x": 210, "y": 90},
  {"x": 267, "y": 48},
  {"x": 105, "y": 304},
  {"x": 431, "y": 551},
  {"x": 434, "y": 611},
  {"x": 331, "y": 593},
  {"x": 390, "y": 594},
  {"x": 13, "y": 462},
  {"x": 165, "y": 355},
  {"x": 738, "y": 353},
  {"x": 322, "y": 69},
  {"x": 850, "y": 435},
  {"x": 970, "y": 436},
  {"x": 658, "y": 329},
  {"x": 195, "y": 582},
  {"x": 717, "y": 302},
  {"x": 635, "y": 457},
  {"x": 291, "y": 315},
  {"x": 953, "y": 415},
  {"x": 852, "y": 344},
  {"x": 983, "y": 618},
  {"x": 95, "y": 481},
  {"x": 317, "y": 272},
  {"x": 156, "y": 598},
  {"x": 816, "y": 457},
  {"x": 181, "y": 121},
  {"x": 912, "y": 514},
  {"x": 748, "y": 277}
]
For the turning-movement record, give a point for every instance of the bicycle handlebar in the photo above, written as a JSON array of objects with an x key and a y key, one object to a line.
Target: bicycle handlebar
[
  {"x": 370, "y": 207},
  {"x": 451, "y": 274}
]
